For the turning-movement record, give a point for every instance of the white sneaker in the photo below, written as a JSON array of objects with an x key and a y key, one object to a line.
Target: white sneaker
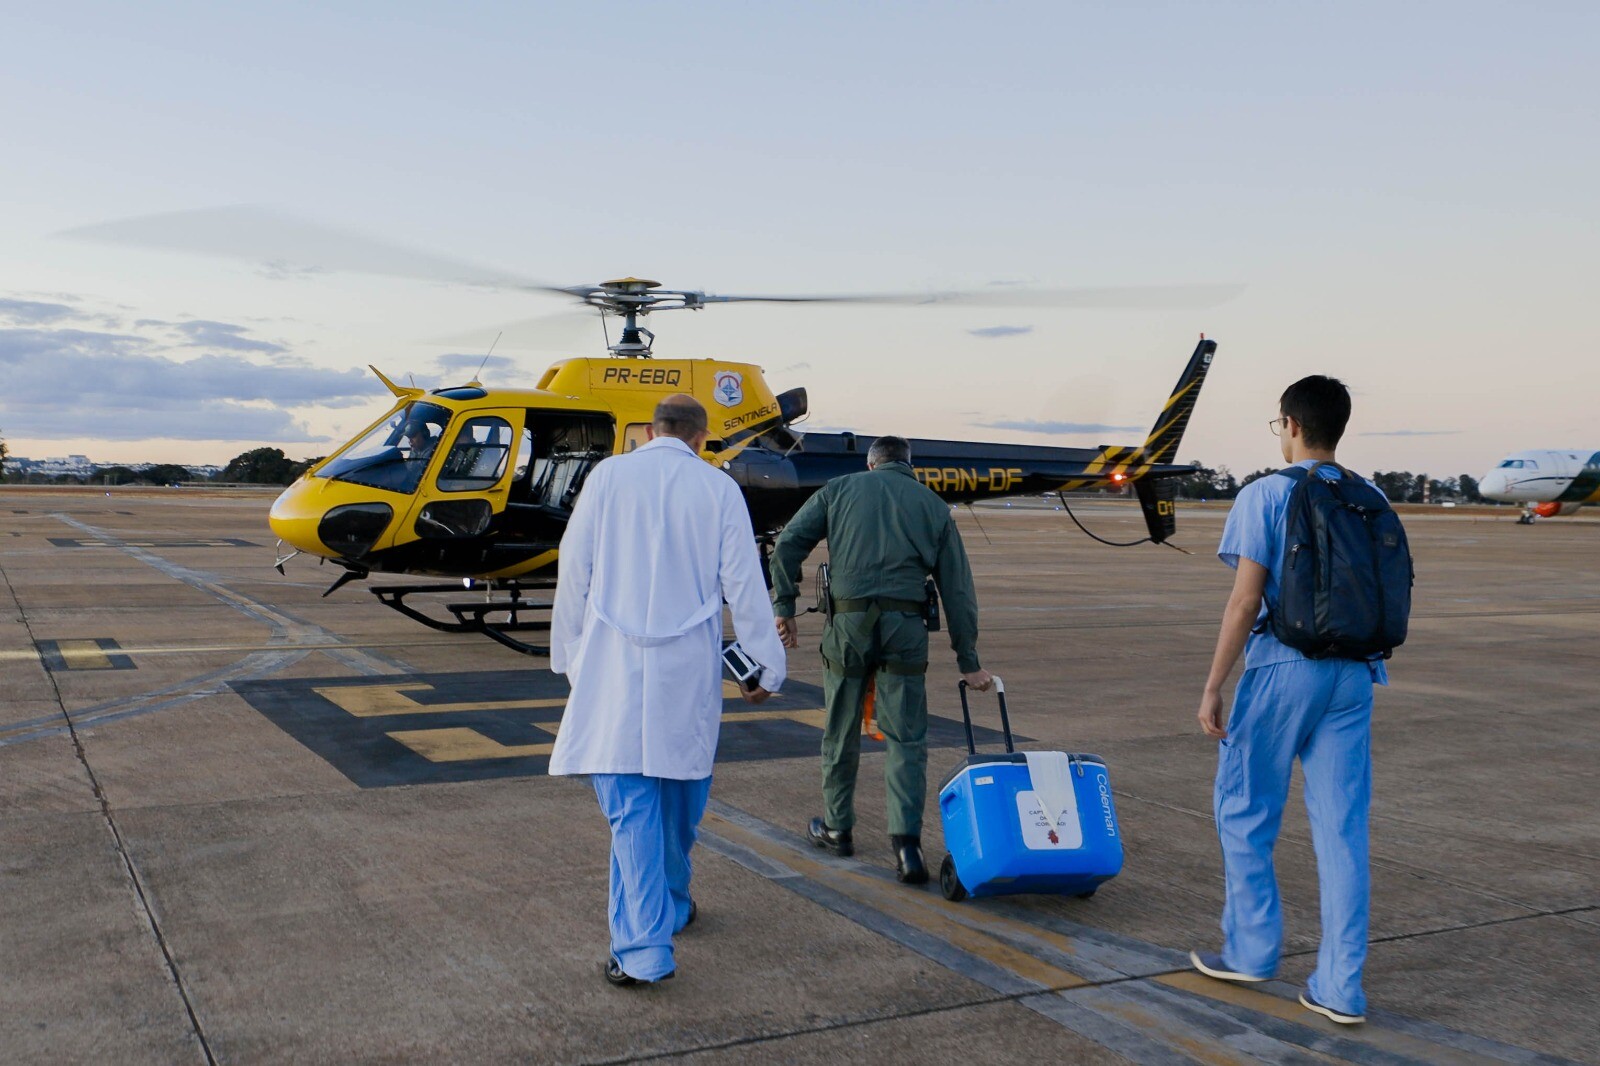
[{"x": 1329, "y": 1013}]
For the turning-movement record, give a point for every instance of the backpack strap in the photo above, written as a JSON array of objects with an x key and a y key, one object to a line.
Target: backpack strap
[{"x": 1298, "y": 474}]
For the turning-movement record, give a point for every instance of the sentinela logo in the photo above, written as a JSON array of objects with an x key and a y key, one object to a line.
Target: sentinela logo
[{"x": 1104, "y": 787}]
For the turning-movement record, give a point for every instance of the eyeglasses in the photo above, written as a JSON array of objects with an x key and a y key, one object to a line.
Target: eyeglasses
[{"x": 1277, "y": 425}]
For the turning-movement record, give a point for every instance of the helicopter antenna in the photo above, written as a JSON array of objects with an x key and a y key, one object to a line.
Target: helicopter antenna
[
  {"x": 413, "y": 378},
  {"x": 477, "y": 376}
]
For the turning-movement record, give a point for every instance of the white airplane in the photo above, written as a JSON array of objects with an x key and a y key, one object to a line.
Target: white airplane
[{"x": 1547, "y": 483}]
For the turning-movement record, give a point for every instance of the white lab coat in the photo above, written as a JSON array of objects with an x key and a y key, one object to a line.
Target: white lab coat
[{"x": 658, "y": 539}]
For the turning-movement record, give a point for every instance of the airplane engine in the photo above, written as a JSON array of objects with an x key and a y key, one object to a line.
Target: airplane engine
[{"x": 1552, "y": 509}]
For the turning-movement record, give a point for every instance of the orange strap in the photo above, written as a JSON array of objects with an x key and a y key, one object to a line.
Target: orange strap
[{"x": 869, "y": 711}]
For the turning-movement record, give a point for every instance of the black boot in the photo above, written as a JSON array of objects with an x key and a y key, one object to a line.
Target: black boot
[
  {"x": 835, "y": 840},
  {"x": 908, "y": 864}
]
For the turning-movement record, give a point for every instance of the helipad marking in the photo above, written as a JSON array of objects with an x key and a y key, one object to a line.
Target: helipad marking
[
  {"x": 93, "y": 654},
  {"x": 383, "y": 700},
  {"x": 463, "y": 745},
  {"x": 427, "y": 728}
]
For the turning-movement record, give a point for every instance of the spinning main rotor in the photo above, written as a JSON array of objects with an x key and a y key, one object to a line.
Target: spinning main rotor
[{"x": 283, "y": 241}]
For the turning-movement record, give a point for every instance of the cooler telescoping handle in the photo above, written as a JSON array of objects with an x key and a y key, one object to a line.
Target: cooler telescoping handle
[{"x": 1005, "y": 719}]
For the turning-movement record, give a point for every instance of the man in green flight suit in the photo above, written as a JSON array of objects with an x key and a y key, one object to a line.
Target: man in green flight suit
[{"x": 886, "y": 534}]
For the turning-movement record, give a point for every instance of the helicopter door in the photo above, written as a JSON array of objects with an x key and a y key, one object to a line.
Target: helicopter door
[
  {"x": 470, "y": 481},
  {"x": 562, "y": 447}
]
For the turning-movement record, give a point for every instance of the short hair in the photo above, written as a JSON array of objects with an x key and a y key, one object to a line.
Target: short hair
[
  {"x": 1322, "y": 407},
  {"x": 679, "y": 416},
  {"x": 889, "y": 450}
]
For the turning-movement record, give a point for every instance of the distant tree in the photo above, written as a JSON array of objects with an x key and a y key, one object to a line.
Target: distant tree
[
  {"x": 1195, "y": 486},
  {"x": 302, "y": 466},
  {"x": 1469, "y": 488},
  {"x": 114, "y": 475},
  {"x": 259, "y": 466},
  {"x": 1266, "y": 471},
  {"x": 1224, "y": 486},
  {"x": 166, "y": 474},
  {"x": 1401, "y": 486},
  {"x": 1446, "y": 489}
]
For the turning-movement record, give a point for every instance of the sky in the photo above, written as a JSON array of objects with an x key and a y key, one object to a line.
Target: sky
[{"x": 1406, "y": 193}]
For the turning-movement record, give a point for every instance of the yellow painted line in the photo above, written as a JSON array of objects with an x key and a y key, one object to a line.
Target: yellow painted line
[
  {"x": 811, "y": 716},
  {"x": 1290, "y": 1011},
  {"x": 1201, "y": 1049},
  {"x": 376, "y": 701},
  {"x": 83, "y": 655},
  {"x": 464, "y": 745},
  {"x": 909, "y": 906}
]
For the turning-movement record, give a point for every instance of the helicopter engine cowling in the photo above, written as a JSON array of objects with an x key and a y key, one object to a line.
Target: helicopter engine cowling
[
  {"x": 793, "y": 405},
  {"x": 1552, "y": 508}
]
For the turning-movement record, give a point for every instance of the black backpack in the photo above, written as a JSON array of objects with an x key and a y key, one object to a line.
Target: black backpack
[{"x": 1345, "y": 591}]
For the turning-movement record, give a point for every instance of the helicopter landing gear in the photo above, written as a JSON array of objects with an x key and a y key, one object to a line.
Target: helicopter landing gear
[{"x": 495, "y": 618}]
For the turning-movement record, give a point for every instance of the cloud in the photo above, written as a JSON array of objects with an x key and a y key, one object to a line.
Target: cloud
[
  {"x": 468, "y": 361},
  {"x": 990, "y": 332},
  {"x": 1032, "y": 426},
  {"x": 1409, "y": 433},
  {"x": 75, "y": 383},
  {"x": 33, "y": 312},
  {"x": 201, "y": 333}
]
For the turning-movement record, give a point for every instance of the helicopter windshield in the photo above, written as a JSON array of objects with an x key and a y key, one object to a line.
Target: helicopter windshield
[{"x": 395, "y": 454}]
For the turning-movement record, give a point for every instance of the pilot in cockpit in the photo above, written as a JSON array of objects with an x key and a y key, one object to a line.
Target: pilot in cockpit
[{"x": 420, "y": 439}]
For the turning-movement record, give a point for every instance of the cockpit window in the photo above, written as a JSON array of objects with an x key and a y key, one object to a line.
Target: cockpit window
[
  {"x": 1519, "y": 464},
  {"x": 478, "y": 458},
  {"x": 395, "y": 454}
]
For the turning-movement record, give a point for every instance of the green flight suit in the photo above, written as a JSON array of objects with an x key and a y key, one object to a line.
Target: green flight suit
[{"x": 886, "y": 534}]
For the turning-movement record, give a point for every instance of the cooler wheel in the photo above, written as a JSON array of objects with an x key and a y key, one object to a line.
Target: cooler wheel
[{"x": 949, "y": 882}]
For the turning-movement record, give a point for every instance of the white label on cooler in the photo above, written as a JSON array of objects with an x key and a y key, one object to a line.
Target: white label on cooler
[{"x": 1037, "y": 832}]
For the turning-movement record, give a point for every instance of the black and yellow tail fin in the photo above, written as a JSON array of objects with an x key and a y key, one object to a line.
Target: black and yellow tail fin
[
  {"x": 1161, "y": 446},
  {"x": 1158, "y": 495}
]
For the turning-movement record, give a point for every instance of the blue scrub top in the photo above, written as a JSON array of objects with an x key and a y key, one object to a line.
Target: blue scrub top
[{"x": 1255, "y": 531}]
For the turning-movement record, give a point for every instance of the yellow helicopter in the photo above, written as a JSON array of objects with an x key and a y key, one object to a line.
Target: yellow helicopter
[{"x": 476, "y": 484}]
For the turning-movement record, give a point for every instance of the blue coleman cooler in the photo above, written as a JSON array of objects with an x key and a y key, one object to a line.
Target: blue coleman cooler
[{"x": 1036, "y": 821}]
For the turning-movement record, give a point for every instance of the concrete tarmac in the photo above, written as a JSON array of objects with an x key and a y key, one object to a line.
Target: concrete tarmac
[{"x": 242, "y": 823}]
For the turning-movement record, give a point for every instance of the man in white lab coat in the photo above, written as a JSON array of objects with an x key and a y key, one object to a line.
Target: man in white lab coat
[{"x": 658, "y": 540}]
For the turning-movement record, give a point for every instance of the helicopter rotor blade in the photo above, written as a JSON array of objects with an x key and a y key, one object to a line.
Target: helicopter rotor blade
[
  {"x": 556, "y": 332},
  {"x": 1101, "y": 297},
  {"x": 292, "y": 244}
]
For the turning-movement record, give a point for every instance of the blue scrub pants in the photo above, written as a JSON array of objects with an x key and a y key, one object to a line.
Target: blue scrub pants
[
  {"x": 1321, "y": 713},
  {"x": 653, "y": 825}
]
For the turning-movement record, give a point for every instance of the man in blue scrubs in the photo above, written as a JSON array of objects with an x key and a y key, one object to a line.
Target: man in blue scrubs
[{"x": 1287, "y": 707}]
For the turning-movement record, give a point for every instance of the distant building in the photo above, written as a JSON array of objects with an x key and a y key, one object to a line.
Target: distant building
[{"x": 84, "y": 467}]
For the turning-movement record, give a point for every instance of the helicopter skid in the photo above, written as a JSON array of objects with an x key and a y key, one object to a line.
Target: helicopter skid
[{"x": 477, "y": 616}]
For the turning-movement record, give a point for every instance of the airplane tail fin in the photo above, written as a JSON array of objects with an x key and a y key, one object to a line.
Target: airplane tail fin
[{"x": 1161, "y": 446}]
